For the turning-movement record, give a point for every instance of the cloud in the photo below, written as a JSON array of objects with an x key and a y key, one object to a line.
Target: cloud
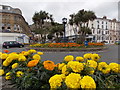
[{"x": 63, "y": 8}]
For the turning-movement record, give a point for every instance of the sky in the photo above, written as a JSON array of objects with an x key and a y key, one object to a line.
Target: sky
[{"x": 63, "y": 8}]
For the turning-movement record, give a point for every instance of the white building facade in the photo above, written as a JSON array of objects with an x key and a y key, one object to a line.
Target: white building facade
[
  {"x": 22, "y": 38},
  {"x": 102, "y": 29}
]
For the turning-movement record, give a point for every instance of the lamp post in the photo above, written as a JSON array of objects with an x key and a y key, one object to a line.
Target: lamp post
[{"x": 64, "y": 21}]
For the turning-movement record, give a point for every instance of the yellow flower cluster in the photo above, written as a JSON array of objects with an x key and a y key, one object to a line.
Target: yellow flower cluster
[
  {"x": 15, "y": 65},
  {"x": 69, "y": 58},
  {"x": 115, "y": 67},
  {"x": 64, "y": 70},
  {"x": 32, "y": 51},
  {"x": 19, "y": 73},
  {"x": 89, "y": 56},
  {"x": 75, "y": 66},
  {"x": 78, "y": 58},
  {"x": 60, "y": 66},
  {"x": 92, "y": 63},
  {"x": 7, "y": 77},
  {"x": 1, "y": 72},
  {"x": 36, "y": 57},
  {"x": 87, "y": 82},
  {"x": 3, "y": 56},
  {"x": 56, "y": 81},
  {"x": 40, "y": 53},
  {"x": 73, "y": 80},
  {"x": 104, "y": 67}
]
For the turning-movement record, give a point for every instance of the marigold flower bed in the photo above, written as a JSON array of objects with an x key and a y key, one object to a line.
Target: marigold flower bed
[
  {"x": 66, "y": 45},
  {"x": 26, "y": 70}
]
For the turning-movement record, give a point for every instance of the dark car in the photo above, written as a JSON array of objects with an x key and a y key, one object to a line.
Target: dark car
[{"x": 9, "y": 44}]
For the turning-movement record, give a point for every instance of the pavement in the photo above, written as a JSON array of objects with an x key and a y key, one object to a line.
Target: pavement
[{"x": 107, "y": 55}]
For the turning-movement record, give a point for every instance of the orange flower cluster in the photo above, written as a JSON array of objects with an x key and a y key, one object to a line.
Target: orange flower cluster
[
  {"x": 64, "y": 45},
  {"x": 6, "y": 51},
  {"x": 32, "y": 63},
  {"x": 95, "y": 44},
  {"x": 49, "y": 65}
]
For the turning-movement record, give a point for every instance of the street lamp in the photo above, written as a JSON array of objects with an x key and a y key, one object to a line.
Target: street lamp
[{"x": 64, "y": 21}]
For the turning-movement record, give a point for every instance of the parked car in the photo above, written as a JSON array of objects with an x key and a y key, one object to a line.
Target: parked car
[{"x": 9, "y": 44}]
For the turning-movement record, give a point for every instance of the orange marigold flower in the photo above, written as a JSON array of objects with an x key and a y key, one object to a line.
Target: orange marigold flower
[
  {"x": 6, "y": 51},
  {"x": 32, "y": 63},
  {"x": 49, "y": 65}
]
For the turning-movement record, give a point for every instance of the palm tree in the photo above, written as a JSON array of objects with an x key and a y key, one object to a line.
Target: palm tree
[
  {"x": 56, "y": 30},
  {"x": 41, "y": 23},
  {"x": 82, "y": 17}
]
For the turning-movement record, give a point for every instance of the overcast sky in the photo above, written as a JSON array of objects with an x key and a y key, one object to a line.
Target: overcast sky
[{"x": 63, "y": 8}]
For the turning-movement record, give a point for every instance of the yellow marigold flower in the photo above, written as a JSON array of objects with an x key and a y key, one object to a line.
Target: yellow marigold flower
[
  {"x": 114, "y": 67},
  {"x": 40, "y": 53},
  {"x": 69, "y": 58},
  {"x": 5, "y": 63},
  {"x": 104, "y": 67},
  {"x": 1, "y": 72},
  {"x": 73, "y": 80},
  {"x": 49, "y": 65},
  {"x": 95, "y": 57},
  {"x": 3, "y": 56},
  {"x": 19, "y": 73},
  {"x": 32, "y": 63},
  {"x": 63, "y": 76},
  {"x": 26, "y": 53},
  {"x": 75, "y": 66},
  {"x": 7, "y": 77},
  {"x": 91, "y": 72},
  {"x": 15, "y": 65},
  {"x": 81, "y": 59},
  {"x": 87, "y": 82},
  {"x": 32, "y": 51},
  {"x": 60, "y": 66},
  {"x": 64, "y": 70},
  {"x": 36, "y": 57},
  {"x": 22, "y": 58},
  {"x": 21, "y": 54},
  {"x": 106, "y": 70},
  {"x": 55, "y": 81},
  {"x": 87, "y": 56},
  {"x": 92, "y": 63},
  {"x": 8, "y": 74},
  {"x": 0, "y": 53},
  {"x": 14, "y": 56}
]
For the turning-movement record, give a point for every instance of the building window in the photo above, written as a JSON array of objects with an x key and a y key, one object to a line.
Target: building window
[
  {"x": 92, "y": 25},
  {"x": 15, "y": 27},
  {"x": 110, "y": 38},
  {"x": 106, "y": 32},
  {"x": 106, "y": 28},
  {"x": 102, "y": 22},
  {"x": 98, "y": 27},
  {"x": 102, "y": 32},
  {"x": 106, "y": 22},
  {"x": 102, "y": 27},
  {"x": 102, "y": 38},
  {"x": 98, "y": 21}
]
